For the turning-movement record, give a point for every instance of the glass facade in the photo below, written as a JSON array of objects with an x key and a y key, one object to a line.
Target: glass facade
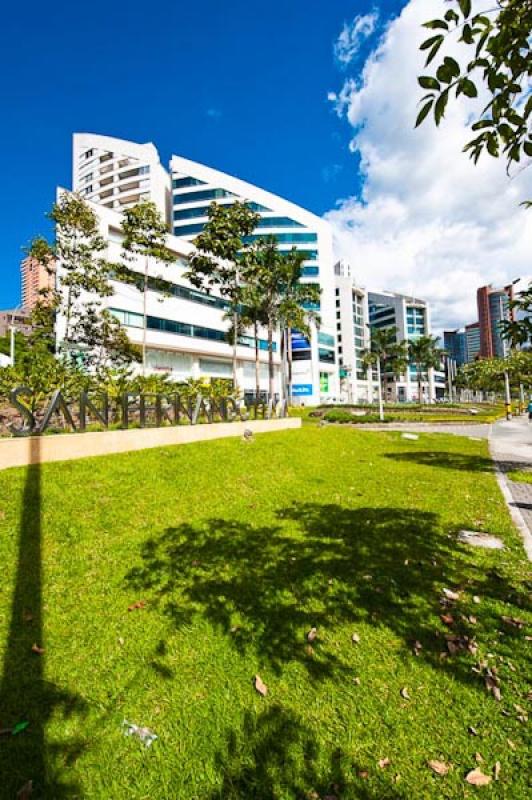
[
  {"x": 205, "y": 194},
  {"x": 181, "y": 183},
  {"x": 415, "y": 322},
  {"x": 134, "y": 320},
  {"x": 203, "y": 211}
]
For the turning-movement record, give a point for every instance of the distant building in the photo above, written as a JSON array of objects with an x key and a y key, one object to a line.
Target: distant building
[
  {"x": 352, "y": 334},
  {"x": 36, "y": 279},
  {"x": 455, "y": 345},
  {"x": 18, "y": 318},
  {"x": 472, "y": 333},
  {"x": 411, "y": 317},
  {"x": 493, "y": 308}
]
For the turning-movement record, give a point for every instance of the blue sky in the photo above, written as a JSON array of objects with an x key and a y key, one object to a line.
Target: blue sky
[{"x": 241, "y": 86}]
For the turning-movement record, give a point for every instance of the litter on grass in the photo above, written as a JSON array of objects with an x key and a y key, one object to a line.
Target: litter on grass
[
  {"x": 146, "y": 736},
  {"x": 479, "y": 539},
  {"x": 411, "y": 436}
]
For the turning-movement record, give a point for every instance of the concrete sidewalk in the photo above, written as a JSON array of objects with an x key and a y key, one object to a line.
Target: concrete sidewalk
[{"x": 511, "y": 449}]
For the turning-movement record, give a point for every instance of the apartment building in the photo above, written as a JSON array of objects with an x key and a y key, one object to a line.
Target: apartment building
[
  {"x": 113, "y": 174},
  {"x": 353, "y": 335}
]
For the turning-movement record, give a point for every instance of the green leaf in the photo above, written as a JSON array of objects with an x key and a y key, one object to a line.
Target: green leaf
[
  {"x": 480, "y": 19},
  {"x": 527, "y": 147},
  {"x": 426, "y": 82},
  {"x": 436, "y": 46},
  {"x": 483, "y": 123},
  {"x": 468, "y": 87},
  {"x": 429, "y": 42},
  {"x": 466, "y": 34},
  {"x": 444, "y": 74},
  {"x": 451, "y": 15},
  {"x": 436, "y": 23},
  {"x": 424, "y": 111},
  {"x": 492, "y": 145},
  {"x": 452, "y": 65},
  {"x": 439, "y": 108},
  {"x": 465, "y": 7}
]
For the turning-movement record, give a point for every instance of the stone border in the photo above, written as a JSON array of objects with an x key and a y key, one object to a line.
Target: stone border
[
  {"x": 19, "y": 452},
  {"x": 515, "y": 511}
]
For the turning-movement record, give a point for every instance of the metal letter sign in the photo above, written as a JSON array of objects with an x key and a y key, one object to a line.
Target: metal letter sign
[{"x": 149, "y": 410}]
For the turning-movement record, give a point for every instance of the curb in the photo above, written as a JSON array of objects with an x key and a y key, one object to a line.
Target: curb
[{"x": 515, "y": 512}]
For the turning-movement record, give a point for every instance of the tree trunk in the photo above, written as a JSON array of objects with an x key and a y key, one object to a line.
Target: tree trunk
[
  {"x": 144, "y": 315},
  {"x": 257, "y": 361},
  {"x": 419, "y": 385},
  {"x": 235, "y": 343},
  {"x": 380, "y": 390},
  {"x": 270, "y": 360},
  {"x": 289, "y": 356}
]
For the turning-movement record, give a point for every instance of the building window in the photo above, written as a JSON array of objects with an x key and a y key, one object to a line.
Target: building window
[{"x": 180, "y": 183}]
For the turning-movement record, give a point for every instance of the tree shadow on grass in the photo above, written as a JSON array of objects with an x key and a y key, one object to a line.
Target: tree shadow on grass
[
  {"x": 320, "y": 566},
  {"x": 25, "y": 693},
  {"x": 275, "y": 755},
  {"x": 449, "y": 460}
]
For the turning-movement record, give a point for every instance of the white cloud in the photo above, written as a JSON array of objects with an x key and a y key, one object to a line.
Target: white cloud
[
  {"x": 353, "y": 34},
  {"x": 428, "y": 220}
]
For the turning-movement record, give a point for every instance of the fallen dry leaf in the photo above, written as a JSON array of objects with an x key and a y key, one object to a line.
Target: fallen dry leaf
[
  {"x": 312, "y": 634},
  {"x": 384, "y": 762},
  {"x": 477, "y": 778},
  {"x": 363, "y": 773},
  {"x": 511, "y": 745},
  {"x": 36, "y": 649},
  {"x": 418, "y": 647},
  {"x": 447, "y": 619},
  {"x": 439, "y": 767},
  {"x": 478, "y": 758},
  {"x": 120, "y": 641},
  {"x": 472, "y": 619},
  {"x": 309, "y": 650},
  {"x": 491, "y": 686},
  {"x": 450, "y": 595},
  {"x": 137, "y": 604},
  {"x": 404, "y": 693},
  {"x": 355, "y": 638},
  {"x": 497, "y": 770},
  {"x": 513, "y": 622},
  {"x": 472, "y": 731},
  {"x": 476, "y": 599},
  {"x": 356, "y": 681},
  {"x": 261, "y": 687},
  {"x": 27, "y": 616}
]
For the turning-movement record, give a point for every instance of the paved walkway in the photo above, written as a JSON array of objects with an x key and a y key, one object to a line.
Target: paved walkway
[
  {"x": 511, "y": 449},
  {"x": 460, "y": 429}
]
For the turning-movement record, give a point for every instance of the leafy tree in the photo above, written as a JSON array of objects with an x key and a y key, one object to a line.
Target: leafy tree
[
  {"x": 518, "y": 330},
  {"x": 488, "y": 374},
  {"x": 218, "y": 259},
  {"x": 387, "y": 355},
  {"x": 281, "y": 297},
  {"x": 145, "y": 234},
  {"x": 425, "y": 354},
  {"x": 499, "y": 38}
]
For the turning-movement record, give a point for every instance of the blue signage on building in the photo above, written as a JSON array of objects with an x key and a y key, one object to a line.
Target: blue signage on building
[{"x": 302, "y": 389}]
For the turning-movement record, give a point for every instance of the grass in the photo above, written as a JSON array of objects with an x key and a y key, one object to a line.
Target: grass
[
  {"x": 238, "y": 549},
  {"x": 520, "y": 476},
  {"x": 404, "y": 413}
]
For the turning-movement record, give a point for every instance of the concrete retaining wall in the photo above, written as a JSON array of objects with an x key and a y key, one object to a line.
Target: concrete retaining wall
[{"x": 19, "y": 452}]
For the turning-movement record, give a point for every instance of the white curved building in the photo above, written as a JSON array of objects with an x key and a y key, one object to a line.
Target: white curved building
[{"x": 115, "y": 174}]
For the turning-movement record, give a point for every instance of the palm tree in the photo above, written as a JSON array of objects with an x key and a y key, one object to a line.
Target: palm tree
[
  {"x": 388, "y": 355},
  {"x": 280, "y": 297},
  {"x": 425, "y": 354}
]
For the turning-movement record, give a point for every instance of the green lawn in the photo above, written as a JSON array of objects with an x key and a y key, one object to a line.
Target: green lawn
[
  {"x": 238, "y": 550},
  {"x": 406, "y": 413},
  {"x": 520, "y": 476}
]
